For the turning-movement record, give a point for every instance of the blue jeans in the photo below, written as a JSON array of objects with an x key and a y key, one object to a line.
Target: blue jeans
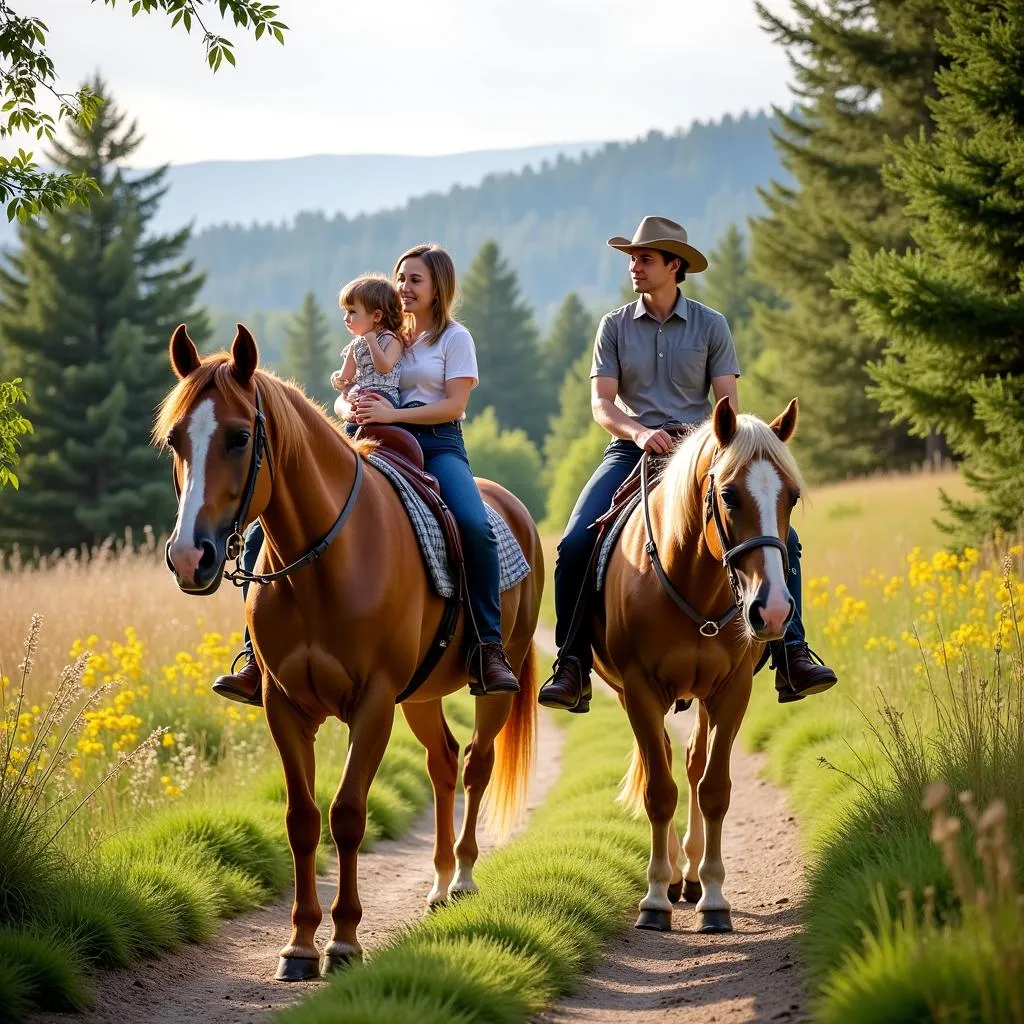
[
  {"x": 444, "y": 455},
  {"x": 250, "y": 552},
  {"x": 577, "y": 546}
]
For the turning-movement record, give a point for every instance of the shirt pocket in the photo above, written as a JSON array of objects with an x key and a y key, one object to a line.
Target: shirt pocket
[{"x": 688, "y": 365}]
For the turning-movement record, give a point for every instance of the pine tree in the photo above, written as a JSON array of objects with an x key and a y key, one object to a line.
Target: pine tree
[
  {"x": 952, "y": 310},
  {"x": 86, "y": 307},
  {"x": 729, "y": 286},
  {"x": 307, "y": 351},
  {"x": 574, "y": 414},
  {"x": 572, "y": 334},
  {"x": 506, "y": 344},
  {"x": 864, "y": 72}
]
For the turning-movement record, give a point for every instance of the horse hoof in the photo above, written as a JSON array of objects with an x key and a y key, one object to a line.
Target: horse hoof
[
  {"x": 716, "y": 922},
  {"x": 297, "y": 968},
  {"x": 433, "y": 908},
  {"x": 692, "y": 891},
  {"x": 333, "y": 962},
  {"x": 675, "y": 891},
  {"x": 654, "y": 920},
  {"x": 454, "y": 895}
]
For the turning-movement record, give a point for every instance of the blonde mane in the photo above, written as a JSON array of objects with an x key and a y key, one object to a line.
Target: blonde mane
[
  {"x": 282, "y": 403},
  {"x": 754, "y": 439}
]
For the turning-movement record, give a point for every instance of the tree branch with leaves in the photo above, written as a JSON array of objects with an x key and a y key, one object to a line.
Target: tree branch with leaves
[{"x": 29, "y": 79}]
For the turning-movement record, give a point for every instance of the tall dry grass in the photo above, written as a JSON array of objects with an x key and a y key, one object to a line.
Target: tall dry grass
[{"x": 100, "y": 593}]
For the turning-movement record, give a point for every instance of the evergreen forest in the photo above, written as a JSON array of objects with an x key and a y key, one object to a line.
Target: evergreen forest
[{"x": 864, "y": 245}]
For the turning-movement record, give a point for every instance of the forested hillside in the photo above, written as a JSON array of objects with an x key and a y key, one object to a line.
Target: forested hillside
[{"x": 551, "y": 224}]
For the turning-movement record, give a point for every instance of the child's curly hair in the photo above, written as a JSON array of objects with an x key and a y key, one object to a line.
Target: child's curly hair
[{"x": 375, "y": 292}]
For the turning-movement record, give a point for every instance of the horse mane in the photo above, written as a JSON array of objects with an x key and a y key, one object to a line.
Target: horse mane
[
  {"x": 754, "y": 439},
  {"x": 282, "y": 403}
]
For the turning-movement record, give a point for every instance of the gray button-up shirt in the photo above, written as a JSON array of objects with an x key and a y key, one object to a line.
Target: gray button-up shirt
[{"x": 664, "y": 370}]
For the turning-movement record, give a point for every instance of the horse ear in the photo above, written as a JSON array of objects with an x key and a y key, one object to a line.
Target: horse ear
[
  {"x": 785, "y": 425},
  {"x": 245, "y": 356},
  {"x": 724, "y": 421},
  {"x": 184, "y": 354}
]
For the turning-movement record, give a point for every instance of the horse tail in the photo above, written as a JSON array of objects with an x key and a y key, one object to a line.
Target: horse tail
[
  {"x": 631, "y": 792},
  {"x": 513, "y": 755}
]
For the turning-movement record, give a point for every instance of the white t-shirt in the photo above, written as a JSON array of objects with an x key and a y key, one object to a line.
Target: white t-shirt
[{"x": 427, "y": 368}]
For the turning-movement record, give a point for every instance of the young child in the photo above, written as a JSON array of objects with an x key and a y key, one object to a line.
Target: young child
[{"x": 373, "y": 316}]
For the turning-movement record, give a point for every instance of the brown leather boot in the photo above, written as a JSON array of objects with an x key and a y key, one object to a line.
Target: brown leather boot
[
  {"x": 490, "y": 672},
  {"x": 245, "y": 686},
  {"x": 801, "y": 672},
  {"x": 569, "y": 688}
]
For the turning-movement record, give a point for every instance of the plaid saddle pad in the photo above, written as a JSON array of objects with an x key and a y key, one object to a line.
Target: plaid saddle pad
[
  {"x": 610, "y": 539},
  {"x": 512, "y": 564}
]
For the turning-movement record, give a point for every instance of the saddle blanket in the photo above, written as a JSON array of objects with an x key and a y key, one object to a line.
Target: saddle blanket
[
  {"x": 512, "y": 564},
  {"x": 610, "y": 539}
]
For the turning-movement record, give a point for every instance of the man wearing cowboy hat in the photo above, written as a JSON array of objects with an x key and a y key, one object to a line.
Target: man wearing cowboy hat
[{"x": 655, "y": 360}]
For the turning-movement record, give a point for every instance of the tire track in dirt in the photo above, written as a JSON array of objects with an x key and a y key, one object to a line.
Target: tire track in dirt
[
  {"x": 684, "y": 977},
  {"x": 231, "y": 978}
]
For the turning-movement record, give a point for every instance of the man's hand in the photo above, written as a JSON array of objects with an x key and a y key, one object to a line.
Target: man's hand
[{"x": 654, "y": 440}]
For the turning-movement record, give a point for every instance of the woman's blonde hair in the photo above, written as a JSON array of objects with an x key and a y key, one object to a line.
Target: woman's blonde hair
[
  {"x": 442, "y": 274},
  {"x": 375, "y": 293}
]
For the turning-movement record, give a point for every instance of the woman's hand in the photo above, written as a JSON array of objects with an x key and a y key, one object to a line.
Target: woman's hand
[{"x": 374, "y": 409}]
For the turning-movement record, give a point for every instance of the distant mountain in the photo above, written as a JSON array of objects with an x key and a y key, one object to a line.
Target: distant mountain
[
  {"x": 273, "y": 191},
  {"x": 551, "y": 222}
]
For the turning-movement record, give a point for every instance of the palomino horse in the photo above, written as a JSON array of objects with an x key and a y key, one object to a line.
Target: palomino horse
[
  {"x": 345, "y": 633},
  {"x": 725, "y": 497}
]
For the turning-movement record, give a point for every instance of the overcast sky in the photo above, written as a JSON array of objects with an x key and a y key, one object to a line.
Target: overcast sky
[{"x": 424, "y": 76}]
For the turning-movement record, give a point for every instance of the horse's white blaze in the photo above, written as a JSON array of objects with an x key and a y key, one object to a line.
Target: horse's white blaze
[
  {"x": 201, "y": 427},
  {"x": 765, "y": 484}
]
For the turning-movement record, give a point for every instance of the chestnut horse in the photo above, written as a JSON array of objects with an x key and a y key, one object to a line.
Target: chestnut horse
[
  {"x": 725, "y": 496},
  {"x": 344, "y": 634}
]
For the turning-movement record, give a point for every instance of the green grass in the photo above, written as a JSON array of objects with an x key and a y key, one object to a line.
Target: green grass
[
  {"x": 547, "y": 901},
  {"x": 174, "y": 877},
  {"x": 856, "y": 763},
  {"x": 43, "y": 972}
]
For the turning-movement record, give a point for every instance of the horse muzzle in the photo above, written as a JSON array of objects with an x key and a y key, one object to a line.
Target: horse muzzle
[
  {"x": 199, "y": 570},
  {"x": 769, "y": 619}
]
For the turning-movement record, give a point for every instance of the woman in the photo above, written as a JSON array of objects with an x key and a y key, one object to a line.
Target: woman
[{"x": 439, "y": 370}]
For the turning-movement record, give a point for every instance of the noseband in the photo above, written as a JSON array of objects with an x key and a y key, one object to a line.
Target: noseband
[
  {"x": 233, "y": 546},
  {"x": 708, "y": 627}
]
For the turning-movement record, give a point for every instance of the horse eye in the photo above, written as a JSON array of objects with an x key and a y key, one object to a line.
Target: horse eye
[
  {"x": 793, "y": 499},
  {"x": 172, "y": 439},
  {"x": 238, "y": 441},
  {"x": 731, "y": 499}
]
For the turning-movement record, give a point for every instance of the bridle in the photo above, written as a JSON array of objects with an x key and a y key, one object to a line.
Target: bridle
[
  {"x": 708, "y": 627},
  {"x": 233, "y": 546}
]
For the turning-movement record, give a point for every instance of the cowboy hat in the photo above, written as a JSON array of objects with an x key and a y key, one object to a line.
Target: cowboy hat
[{"x": 662, "y": 233}]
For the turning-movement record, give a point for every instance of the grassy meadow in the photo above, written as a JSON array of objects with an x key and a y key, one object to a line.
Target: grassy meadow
[
  {"x": 908, "y": 777},
  {"x": 913, "y": 910},
  {"x": 136, "y": 807},
  {"x": 130, "y": 794}
]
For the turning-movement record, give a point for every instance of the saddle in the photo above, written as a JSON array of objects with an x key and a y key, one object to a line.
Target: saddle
[{"x": 400, "y": 449}]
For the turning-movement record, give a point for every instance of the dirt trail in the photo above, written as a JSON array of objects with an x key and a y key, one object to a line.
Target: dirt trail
[
  {"x": 231, "y": 978},
  {"x": 683, "y": 977}
]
